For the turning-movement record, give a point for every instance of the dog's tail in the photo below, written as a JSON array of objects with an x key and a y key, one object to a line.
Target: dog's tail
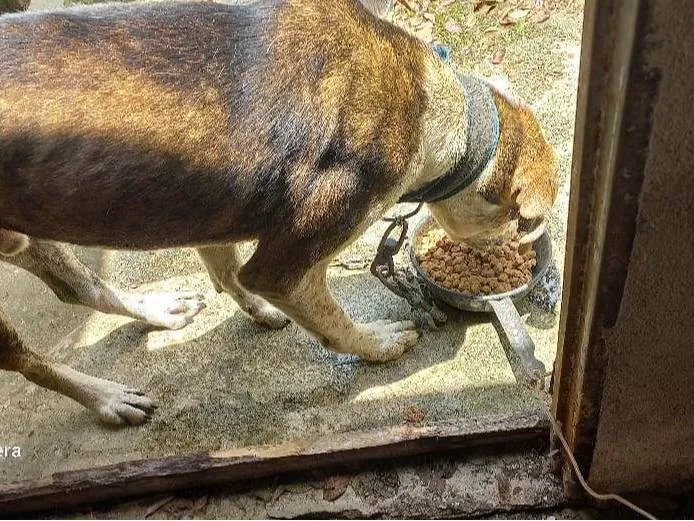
[{"x": 12, "y": 243}]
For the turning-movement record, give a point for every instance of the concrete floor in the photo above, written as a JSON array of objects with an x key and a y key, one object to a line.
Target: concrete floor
[{"x": 223, "y": 382}]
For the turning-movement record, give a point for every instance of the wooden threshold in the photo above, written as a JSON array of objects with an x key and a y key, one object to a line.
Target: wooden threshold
[{"x": 148, "y": 476}]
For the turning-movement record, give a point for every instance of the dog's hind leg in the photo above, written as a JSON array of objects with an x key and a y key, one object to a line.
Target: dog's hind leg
[
  {"x": 223, "y": 264},
  {"x": 113, "y": 403},
  {"x": 309, "y": 302},
  {"x": 75, "y": 283}
]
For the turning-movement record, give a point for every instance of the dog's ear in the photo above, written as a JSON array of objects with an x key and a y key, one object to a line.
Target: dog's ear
[
  {"x": 527, "y": 165},
  {"x": 534, "y": 186},
  {"x": 534, "y": 182}
]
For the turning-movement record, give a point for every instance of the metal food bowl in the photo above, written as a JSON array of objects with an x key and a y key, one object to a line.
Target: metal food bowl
[
  {"x": 501, "y": 304},
  {"x": 481, "y": 303}
]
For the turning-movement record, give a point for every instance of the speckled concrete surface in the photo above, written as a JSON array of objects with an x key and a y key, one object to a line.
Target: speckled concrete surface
[{"x": 224, "y": 382}]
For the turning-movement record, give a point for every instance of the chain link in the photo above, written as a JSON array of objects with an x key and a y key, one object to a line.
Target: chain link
[{"x": 402, "y": 281}]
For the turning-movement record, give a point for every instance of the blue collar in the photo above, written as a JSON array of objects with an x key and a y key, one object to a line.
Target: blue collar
[{"x": 482, "y": 139}]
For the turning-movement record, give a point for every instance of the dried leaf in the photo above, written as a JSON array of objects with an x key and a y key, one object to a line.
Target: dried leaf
[
  {"x": 158, "y": 505},
  {"x": 498, "y": 56},
  {"x": 335, "y": 486},
  {"x": 429, "y": 16},
  {"x": 409, "y": 4},
  {"x": 413, "y": 414},
  {"x": 514, "y": 16},
  {"x": 540, "y": 15},
  {"x": 453, "y": 27},
  {"x": 200, "y": 507},
  {"x": 484, "y": 6}
]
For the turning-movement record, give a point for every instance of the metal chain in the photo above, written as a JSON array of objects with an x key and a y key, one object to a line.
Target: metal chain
[{"x": 402, "y": 281}]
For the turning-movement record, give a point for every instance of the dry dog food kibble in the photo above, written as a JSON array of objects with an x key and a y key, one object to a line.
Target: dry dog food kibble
[{"x": 460, "y": 267}]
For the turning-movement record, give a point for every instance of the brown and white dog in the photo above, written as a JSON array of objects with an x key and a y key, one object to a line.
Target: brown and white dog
[{"x": 294, "y": 122}]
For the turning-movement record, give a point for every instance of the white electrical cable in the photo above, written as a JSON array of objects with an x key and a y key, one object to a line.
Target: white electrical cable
[{"x": 582, "y": 481}]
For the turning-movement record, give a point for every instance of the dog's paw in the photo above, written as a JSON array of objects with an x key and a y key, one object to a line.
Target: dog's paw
[
  {"x": 269, "y": 316},
  {"x": 385, "y": 340},
  {"x": 116, "y": 404},
  {"x": 165, "y": 310}
]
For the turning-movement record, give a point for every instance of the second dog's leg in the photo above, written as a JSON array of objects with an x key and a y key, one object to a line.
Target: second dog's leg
[
  {"x": 75, "y": 283},
  {"x": 223, "y": 264},
  {"x": 112, "y": 402}
]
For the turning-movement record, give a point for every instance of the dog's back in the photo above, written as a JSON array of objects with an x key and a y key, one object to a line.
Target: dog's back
[
  {"x": 121, "y": 104},
  {"x": 134, "y": 119}
]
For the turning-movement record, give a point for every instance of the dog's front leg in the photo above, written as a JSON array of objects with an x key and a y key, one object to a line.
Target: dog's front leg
[
  {"x": 310, "y": 304},
  {"x": 75, "y": 283},
  {"x": 112, "y": 402}
]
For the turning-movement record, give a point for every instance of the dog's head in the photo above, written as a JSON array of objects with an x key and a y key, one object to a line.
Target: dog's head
[{"x": 517, "y": 188}]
